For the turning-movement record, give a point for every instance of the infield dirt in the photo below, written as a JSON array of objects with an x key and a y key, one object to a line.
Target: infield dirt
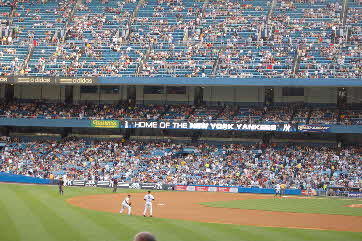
[{"x": 186, "y": 206}]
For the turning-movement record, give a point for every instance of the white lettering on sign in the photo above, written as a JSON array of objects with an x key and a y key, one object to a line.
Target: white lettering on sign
[
  {"x": 165, "y": 125},
  {"x": 182, "y": 125},
  {"x": 198, "y": 125},
  {"x": 254, "y": 127},
  {"x": 222, "y": 126},
  {"x": 144, "y": 124}
]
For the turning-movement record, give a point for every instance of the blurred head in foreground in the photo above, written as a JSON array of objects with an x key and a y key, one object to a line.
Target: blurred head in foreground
[{"x": 144, "y": 236}]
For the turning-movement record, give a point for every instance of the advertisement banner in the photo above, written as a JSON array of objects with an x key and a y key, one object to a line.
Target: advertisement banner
[
  {"x": 90, "y": 183},
  {"x": 201, "y": 189},
  {"x": 34, "y": 80},
  {"x": 234, "y": 189},
  {"x": 135, "y": 185},
  {"x": 168, "y": 187},
  {"x": 313, "y": 128},
  {"x": 213, "y": 125},
  {"x": 5, "y": 79},
  {"x": 355, "y": 194},
  {"x": 190, "y": 188},
  {"x": 205, "y": 188},
  {"x": 78, "y": 183},
  {"x": 212, "y": 189},
  {"x": 224, "y": 189},
  {"x": 76, "y": 81},
  {"x": 123, "y": 185},
  {"x": 311, "y": 192},
  {"x": 155, "y": 186},
  {"x": 180, "y": 187},
  {"x": 103, "y": 184},
  {"x": 50, "y": 80},
  {"x": 105, "y": 123}
]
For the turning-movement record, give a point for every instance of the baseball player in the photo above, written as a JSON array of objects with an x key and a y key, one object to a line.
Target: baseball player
[
  {"x": 126, "y": 204},
  {"x": 60, "y": 186},
  {"x": 277, "y": 190},
  {"x": 115, "y": 184},
  {"x": 283, "y": 186},
  {"x": 148, "y": 198}
]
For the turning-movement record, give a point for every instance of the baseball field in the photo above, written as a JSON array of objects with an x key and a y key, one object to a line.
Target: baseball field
[{"x": 37, "y": 213}]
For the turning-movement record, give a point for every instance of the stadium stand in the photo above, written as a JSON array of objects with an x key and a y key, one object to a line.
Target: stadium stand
[
  {"x": 222, "y": 39},
  {"x": 201, "y": 113},
  {"x": 245, "y": 165},
  {"x": 166, "y": 38}
]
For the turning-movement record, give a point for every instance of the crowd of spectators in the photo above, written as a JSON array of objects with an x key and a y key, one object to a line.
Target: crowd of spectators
[
  {"x": 328, "y": 116},
  {"x": 171, "y": 163},
  {"x": 194, "y": 113},
  {"x": 351, "y": 117},
  {"x": 182, "y": 38}
]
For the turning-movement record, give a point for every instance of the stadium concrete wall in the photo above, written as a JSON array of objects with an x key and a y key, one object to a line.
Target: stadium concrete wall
[
  {"x": 324, "y": 95},
  {"x": 143, "y": 98},
  {"x": 79, "y": 97},
  {"x": 212, "y": 95},
  {"x": 45, "y": 92},
  {"x": 2, "y": 91},
  {"x": 320, "y": 95},
  {"x": 354, "y": 95},
  {"x": 233, "y": 94}
]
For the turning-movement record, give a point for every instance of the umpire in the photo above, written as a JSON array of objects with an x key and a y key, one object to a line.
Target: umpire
[
  {"x": 61, "y": 186},
  {"x": 115, "y": 184}
]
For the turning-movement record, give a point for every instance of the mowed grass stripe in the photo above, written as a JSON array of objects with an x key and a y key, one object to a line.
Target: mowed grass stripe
[
  {"x": 6, "y": 220},
  {"x": 27, "y": 223},
  {"x": 318, "y": 235},
  {"x": 46, "y": 209},
  {"x": 75, "y": 218},
  {"x": 313, "y": 205},
  {"x": 212, "y": 231},
  {"x": 119, "y": 227},
  {"x": 178, "y": 230}
]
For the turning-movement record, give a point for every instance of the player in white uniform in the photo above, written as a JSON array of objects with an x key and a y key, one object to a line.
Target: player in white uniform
[
  {"x": 126, "y": 204},
  {"x": 277, "y": 190},
  {"x": 148, "y": 198}
]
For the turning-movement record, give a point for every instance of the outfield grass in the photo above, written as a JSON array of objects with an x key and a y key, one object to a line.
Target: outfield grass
[
  {"x": 38, "y": 213},
  {"x": 312, "y": 205}
]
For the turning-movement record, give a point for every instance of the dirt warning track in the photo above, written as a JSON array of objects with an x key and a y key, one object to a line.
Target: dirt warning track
[{"x": 186, "y": 206}]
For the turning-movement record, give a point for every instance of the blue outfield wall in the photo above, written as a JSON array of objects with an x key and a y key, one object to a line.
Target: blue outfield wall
[
  {"x": 267, "y": 190},
  {"x": 9, "y": 177}
]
